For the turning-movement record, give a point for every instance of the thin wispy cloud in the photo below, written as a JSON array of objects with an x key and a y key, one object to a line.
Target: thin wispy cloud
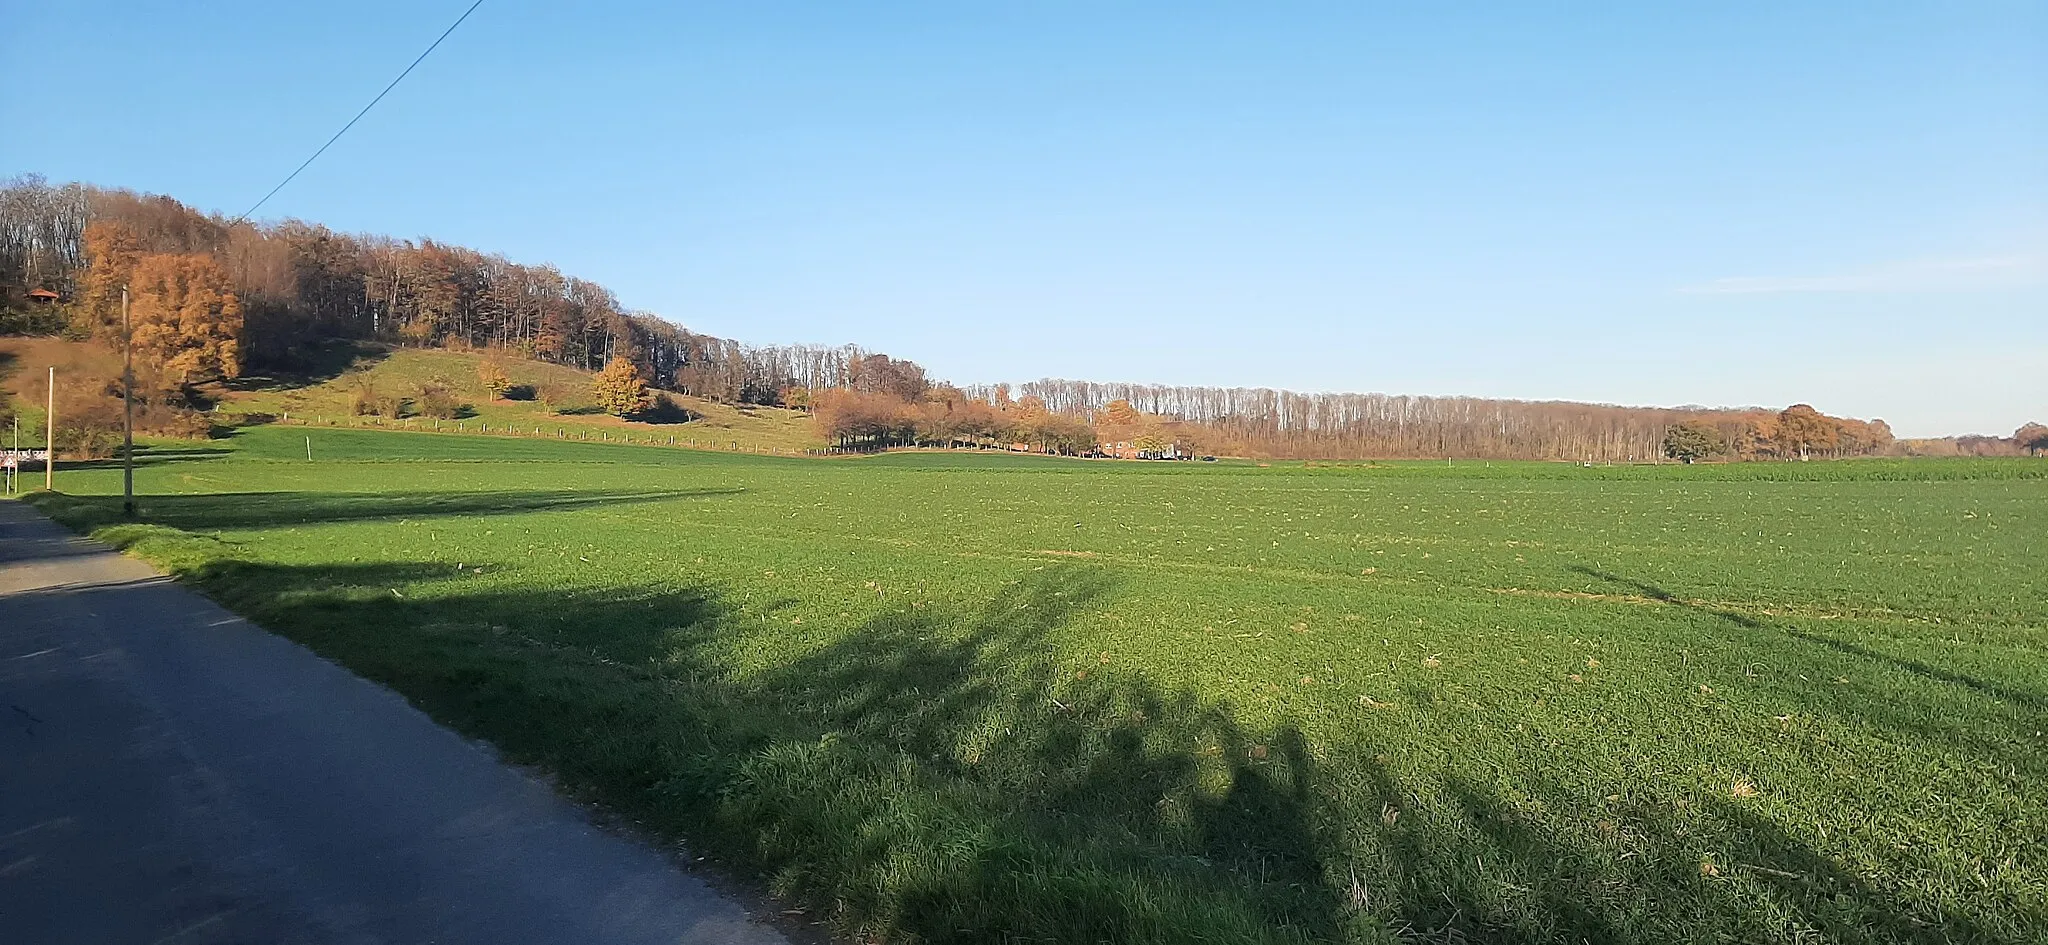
[{"x": 2006, "y": 271}]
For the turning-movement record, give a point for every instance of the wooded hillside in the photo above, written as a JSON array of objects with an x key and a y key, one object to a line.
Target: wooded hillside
[{"x": 211, "y": 297}]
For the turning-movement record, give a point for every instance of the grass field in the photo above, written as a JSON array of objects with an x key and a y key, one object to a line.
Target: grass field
[{"x": 985, "y": 698}]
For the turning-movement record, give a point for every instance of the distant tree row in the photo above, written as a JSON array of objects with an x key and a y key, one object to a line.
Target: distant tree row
[
  {"x": 1797, "y": 432},
  {"x": 943, "y": 416},
  {"x": 2030, "y": 439},
  {"x": 1286, "y": 424}
]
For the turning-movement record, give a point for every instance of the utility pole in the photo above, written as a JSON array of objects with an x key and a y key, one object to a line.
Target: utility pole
[
  {"x": 50, "y": 435},
  {"x": 127, "y": 411}
]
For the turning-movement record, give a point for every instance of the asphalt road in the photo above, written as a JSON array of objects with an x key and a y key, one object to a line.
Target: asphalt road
[{"x": 171, "y": 774}]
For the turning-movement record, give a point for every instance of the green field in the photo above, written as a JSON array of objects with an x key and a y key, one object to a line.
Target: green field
[{"x": 986, "y": 698}]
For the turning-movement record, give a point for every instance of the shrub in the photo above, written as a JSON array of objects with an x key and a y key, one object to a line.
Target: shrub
[
  {"x": 437, "y": 400},
  {"x": 494, "y": 379},
  {"x": 366, "y": 401}
]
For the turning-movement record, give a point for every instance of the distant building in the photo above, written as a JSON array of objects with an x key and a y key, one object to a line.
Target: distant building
[{"x": 43, "y": 296}]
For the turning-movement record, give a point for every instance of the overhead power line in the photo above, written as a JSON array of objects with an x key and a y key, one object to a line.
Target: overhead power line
[{"x": 359, "y": 115}]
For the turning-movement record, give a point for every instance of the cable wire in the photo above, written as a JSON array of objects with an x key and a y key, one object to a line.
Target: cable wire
[{"x": 359, "y": 115}]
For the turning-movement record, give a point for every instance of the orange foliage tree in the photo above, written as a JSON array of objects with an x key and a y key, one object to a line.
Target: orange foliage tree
[
  {"x": 111, "y": 252},
  {"x": 619, "y": 389},
  {"x": 856, "y": 418},
  {"x": 187, "y": 320},
  {"x": 1803, "y": 430},
  {"x": 2032, "y": 437},
  {"x": 492, "y": 376}
]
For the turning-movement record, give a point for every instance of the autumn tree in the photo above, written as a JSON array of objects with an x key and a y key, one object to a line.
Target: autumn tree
[
  {"x": 1754, "y": 434},
  {"x": 1803, "y": 429},
  {"x": 1119, "y": 412},
  {"x": 862, "y": 418},
  {"x": 1029, "y": 408},
  {"x": 619, "y": 389},
  {"x": 112, "y": 252},
  {"x": 1066, "y": 434},
  {"x": 492, "y": 376},
  {"x": 186, "y": 318},
  {"x": 1689, "y": 441},
  {"x": 2032, "y": 437}
]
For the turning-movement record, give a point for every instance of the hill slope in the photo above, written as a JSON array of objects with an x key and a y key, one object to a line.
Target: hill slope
[{"x": 552, "y": 399}]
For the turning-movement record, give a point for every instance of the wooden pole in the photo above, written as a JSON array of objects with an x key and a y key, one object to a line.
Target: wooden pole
[
  {"x": 127, "y": 411},
  {"x": 50, "y": 435}
]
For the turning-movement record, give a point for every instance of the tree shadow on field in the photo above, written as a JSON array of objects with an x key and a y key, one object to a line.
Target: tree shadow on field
[
  {"x": 667, "y": 410},
  {"x": 1643, "y": 873},
  {"x": 306, "y": 365},
  {"x": 2027, "y": 700},
  {"x": 254, "y": 510},
  {"x": 154, "y": 455},
  {"x": 946, "y": 771},
  {"x": 970, "y": 773}
]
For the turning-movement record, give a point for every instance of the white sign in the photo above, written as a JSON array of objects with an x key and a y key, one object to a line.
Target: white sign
[{"x": 17, "y": 455}]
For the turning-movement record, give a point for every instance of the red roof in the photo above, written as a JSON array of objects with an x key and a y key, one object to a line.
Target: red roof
[{"x": 42, "y": 294}]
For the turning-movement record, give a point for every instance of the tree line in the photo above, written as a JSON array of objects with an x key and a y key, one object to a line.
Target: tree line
[
  {"x": 1288, "y": 424},
  {"x": 298, "y": 285},
  {"x": 212, "y": 296}
]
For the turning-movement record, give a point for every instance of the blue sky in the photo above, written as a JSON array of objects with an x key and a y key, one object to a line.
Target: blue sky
[{"x": 1844, "y": 204}]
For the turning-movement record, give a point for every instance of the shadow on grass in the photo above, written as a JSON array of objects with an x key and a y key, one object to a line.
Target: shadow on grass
[
  {"x": 153, "y": 456},
  {"x": 666, "y": 409},
  {"x": 956, "y": 774},
  {"x": 1919, "y": 668},
  {"x": 307, "y": 365},
  {"x": 256, "y": 510}
]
